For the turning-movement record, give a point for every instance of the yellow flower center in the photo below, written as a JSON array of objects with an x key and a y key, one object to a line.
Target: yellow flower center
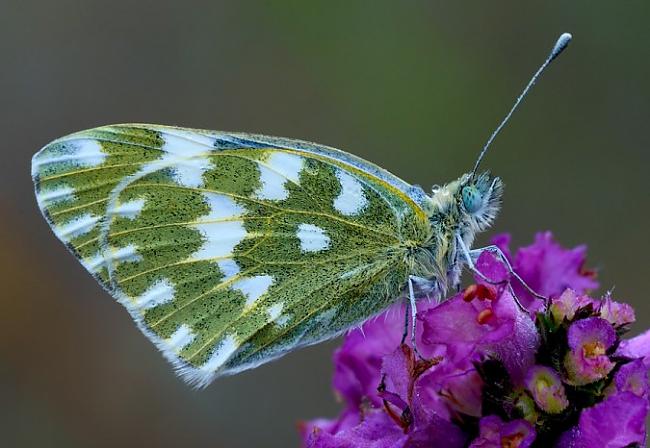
[
  {"x": 512, "y": 441},
  {"x": 593, "y": 349}
]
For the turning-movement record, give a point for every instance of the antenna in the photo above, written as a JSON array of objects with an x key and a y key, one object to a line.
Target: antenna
[{"x": 560, "y": 45}]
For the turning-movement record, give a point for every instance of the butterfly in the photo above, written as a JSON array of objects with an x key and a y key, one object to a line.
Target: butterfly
[{"x": 230, "y": 250}]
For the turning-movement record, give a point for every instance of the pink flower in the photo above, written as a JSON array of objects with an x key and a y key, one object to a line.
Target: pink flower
[
  {"x": 618, "y": 421},
  {"x": 495, "y": 433},
  {"x": 638, "y": 347},
  {"x": 548, "y": 268},
  {"x": 492, "y": 374},
  {"x": 567, "y": 305},
  {"x": 587, "y": 360}
]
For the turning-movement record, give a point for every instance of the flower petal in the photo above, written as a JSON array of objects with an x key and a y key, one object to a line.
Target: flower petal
[
  {"x": 637, "y": 347},
  {"x": 358, "y": 361},
  {"x": 377, "y": 430},
  {"x": 592, "y": 330},
  {"x": 549, "y": 269},
  {"x": 633, "y": 377},
  {"x": 495, "y": 433},
  {"x": 615, "y": 422}
]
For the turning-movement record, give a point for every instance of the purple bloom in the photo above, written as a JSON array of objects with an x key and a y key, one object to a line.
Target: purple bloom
[
  {"x": 616, "y": 422},
  {"x": 638, "y": 347},
  {"x": 494, "y": 375},
  {"x": 587, "y": 361},
  {"x": 358, "y": 361},
  {"x": 567, "y": 305},
  {"x": 412, "y": 409},
  {"x": 495, "y": 433},
  {"x": 548, "y": 268},
  {"x": 376, "y": 430},
  {"x": 497, "y": 327},
  {"x": 631, "y": 377}
]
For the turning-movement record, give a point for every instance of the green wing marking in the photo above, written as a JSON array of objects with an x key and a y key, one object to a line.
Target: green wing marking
[{"x": 229, "y": 250}]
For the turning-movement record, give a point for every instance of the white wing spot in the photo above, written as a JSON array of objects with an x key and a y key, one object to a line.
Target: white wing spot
[
  {"x": 253, "y": 287},
  {"x": 312, "y": 238},
  {"x": 187, "y": 154},
  {"x": 130, "y": 209},
  {"x": 221, "y": 207},
  {"x": 181, "y": 338},
  {"x": 76, "y": 227},
  {"x": 274, "y": 311},
  {"x": 187, "y": 141},
  {"x": 222, "y": 352},
  {"x": 326, "y": 317},
  {"x": 271, "y": 186},
  {"x": 289, "y": 165},
  {"x": 353, "y": 272},
  {"x": 89, "y": 153},
  {"x": 189, "y": 172},
  {"x": 158, "y": 293},
  {"x": 115, "y": 255},
  {"x": 220, "y": 239},
  {"x": 275, "y": 172},
  {"x": 55, "y": 196},
  {"x": 85, "y": 152},
  {"x": 229, "y": 268},
  {"x": 351, "y": 200},
  {"x": 283, "y": 320}
]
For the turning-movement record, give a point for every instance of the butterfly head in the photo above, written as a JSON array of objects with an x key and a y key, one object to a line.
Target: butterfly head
[
  {"x": 471, "y": 202},
  {"x": 478, "y": 199}
]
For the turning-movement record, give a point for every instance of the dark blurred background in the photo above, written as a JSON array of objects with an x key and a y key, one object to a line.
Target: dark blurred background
[{"x": 415, "y": 87}]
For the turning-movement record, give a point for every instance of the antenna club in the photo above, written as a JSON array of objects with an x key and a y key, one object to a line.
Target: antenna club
[{"x": 560, "y": 45}]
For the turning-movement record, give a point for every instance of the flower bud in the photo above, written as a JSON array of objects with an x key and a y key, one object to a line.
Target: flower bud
[
  {"x": 617, "y": 314},
  {"x": 547, "y": 389}
]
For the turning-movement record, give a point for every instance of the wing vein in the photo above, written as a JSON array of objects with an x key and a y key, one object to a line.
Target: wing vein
[
  {"x": 394, "y": 238},
  {"x": 283, "y": 286}
]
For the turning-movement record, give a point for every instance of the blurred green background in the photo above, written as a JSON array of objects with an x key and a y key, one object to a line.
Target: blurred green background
[{"x": 414, "y": 86}]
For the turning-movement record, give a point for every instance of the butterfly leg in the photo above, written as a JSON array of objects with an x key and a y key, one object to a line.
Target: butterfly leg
[
  {"x": 426, "y": 288},
  {"x": 405, "y": 333},
  {"x": 412, "y": 307},
  {"x": 467, "y": 255},
  {"x": 471, "y": 255},
  {"x": 475, "y": 253}
]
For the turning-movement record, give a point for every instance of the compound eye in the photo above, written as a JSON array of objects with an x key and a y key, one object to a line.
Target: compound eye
[{"x": 472, "y": 199}]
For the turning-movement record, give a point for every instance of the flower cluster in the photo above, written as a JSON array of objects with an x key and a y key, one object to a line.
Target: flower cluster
[{"x": 493, "y": 373}]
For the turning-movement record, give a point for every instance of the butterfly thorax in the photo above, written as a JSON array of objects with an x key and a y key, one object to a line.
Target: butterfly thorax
[{"x": 461, "y": 208}]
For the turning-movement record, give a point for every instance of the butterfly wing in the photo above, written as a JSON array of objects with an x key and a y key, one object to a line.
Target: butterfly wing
[{"x": 229, "y": 250}]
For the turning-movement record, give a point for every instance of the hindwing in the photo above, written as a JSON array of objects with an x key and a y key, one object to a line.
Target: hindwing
[{"x": 229, "y": 250}]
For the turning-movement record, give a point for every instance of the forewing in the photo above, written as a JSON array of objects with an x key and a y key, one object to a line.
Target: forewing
[{"x": 228, "y": 250}]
